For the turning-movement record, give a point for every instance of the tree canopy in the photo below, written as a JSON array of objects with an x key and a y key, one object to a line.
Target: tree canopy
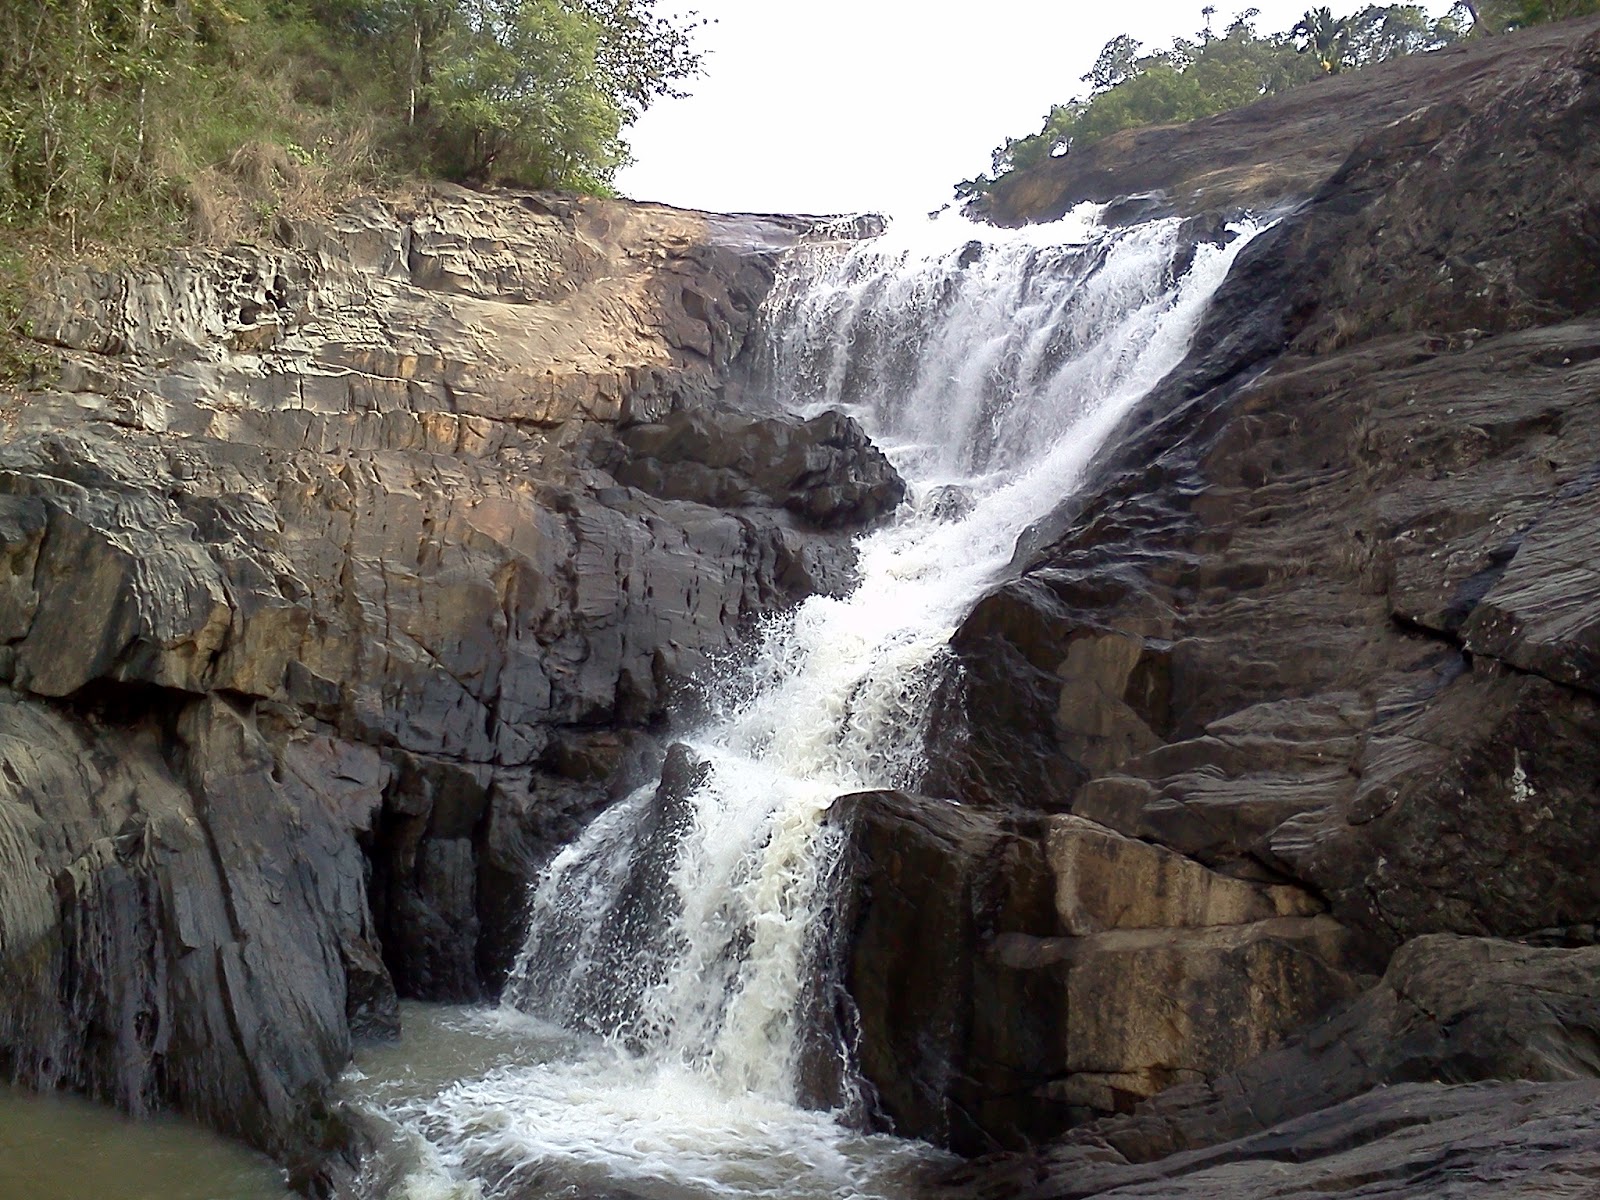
[
  {"x": 112, "y": 111},
  {"x": 1211, "y": 72}
]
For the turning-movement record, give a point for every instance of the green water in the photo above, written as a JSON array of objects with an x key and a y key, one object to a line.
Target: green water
[{"x": 63, "y": 1148}]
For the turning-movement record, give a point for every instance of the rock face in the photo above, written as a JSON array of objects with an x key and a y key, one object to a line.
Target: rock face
[
  {"x": 1448, "y": 1011},
  {"x": 1314, "y": 650},
  {"x": 1279, "y": 150},
  {"x": 1008, "y": 975},
  {"x": 341, "y": 580}
]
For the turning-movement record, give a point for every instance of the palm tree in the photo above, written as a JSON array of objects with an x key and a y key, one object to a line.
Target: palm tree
[{"x": 1326, "y": 35}]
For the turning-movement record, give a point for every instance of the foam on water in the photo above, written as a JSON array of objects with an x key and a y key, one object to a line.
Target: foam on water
[{"x": 676, "y": 940}]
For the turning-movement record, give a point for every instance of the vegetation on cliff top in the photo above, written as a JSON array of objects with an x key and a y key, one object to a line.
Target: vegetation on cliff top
[
  {"x": 1212, "y": 73},
  {"x": 131, "y": 124}
]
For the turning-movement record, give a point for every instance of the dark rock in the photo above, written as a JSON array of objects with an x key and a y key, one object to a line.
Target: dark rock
[
  {"x": 952, "y": 1039},
  {"x": 326, "y": 623},
  {"x": 1413, "y": 1142},
  {"x": 425, "y": 876},
  {"x": 1008, "y": 975},
  {"x": 182, "y": 926},
  {"x": 1449, "y": 1010},
  {"x": 1323, "y": 619},
  {"x": 823, "y": 470}
]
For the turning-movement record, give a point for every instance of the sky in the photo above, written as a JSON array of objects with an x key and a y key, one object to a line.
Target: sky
[{"x": 832, "y": 106}]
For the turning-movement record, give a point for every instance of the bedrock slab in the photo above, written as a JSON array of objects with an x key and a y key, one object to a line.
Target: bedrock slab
[{"x": 327, "y": 613}]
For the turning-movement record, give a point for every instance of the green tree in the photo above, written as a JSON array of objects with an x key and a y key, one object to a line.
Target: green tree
[
  {"x": 1499, "y": 16},
  {"x": 1118, "y": 61},
  {"x": 1197, "y": 78},
  {"x": 521, "y": 93},
  {"x": 1325, "y": 37}
]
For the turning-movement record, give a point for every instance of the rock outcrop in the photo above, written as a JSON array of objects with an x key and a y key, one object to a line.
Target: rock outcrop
[
  {"x": 342, "y": 579},
  {"x": 1009, "y": 974},
  {"x": 1275, "y": 152},
  {"x": 1320, "y": 632},
  {"x": 1388, "y": 1093}
]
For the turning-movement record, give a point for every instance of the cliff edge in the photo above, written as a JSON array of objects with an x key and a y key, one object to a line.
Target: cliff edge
[
  {"x": 1277, "y": 756},
  {"x": 343, "y": 578}
]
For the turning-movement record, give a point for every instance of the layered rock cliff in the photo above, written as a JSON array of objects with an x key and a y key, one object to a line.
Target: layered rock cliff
[
  {"x": 1300, "y": 692},
  {"x": 343, "y": 578}
]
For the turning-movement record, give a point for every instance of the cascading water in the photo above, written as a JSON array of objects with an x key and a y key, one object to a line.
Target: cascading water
[{"x": 670, "y": 944}]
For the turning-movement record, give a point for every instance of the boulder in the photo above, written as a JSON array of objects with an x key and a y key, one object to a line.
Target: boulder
[
  {"x": 324, "y": 620},
  {"x": 1006, "y": 976}
]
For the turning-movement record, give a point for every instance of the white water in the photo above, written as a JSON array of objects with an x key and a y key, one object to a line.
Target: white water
[{"x": 674, "y": 941}]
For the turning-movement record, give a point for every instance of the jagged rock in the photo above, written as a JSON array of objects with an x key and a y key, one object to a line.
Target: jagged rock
[
  {"x": 1323, "y": 618},
  {"x": 1107, "y": 881},
  {"x": 1006, "y": 975},
  {"x": 825, "y": 470},
  {"x": 1447, "y": 1011},
  {"x": 325, "y": 621},
  {"x": 1413, "y": 1142},
  {"x": 183, "y": 926},
  {"x": 952, "y": 1040}
]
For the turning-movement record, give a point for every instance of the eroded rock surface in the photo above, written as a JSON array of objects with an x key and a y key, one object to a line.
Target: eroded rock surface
[
  {"x": 1278, "y": 150},
  {"x": 343, "y": 579},
  {"x": 1008, "y": 975},
  {"x": 1387, "y": 1093},
  {"x": 1320, "y": 633}
]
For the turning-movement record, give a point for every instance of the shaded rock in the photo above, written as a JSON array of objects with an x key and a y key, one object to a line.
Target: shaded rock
[
  {"x": 1321, "y": 620},
  {"x": 184, "y": 927},
  {"x": 1006, "y": 978},
  {"x": 1542, "y": 613},
  {"x": 953, "y": 1040},
  {"x": 425, "y": 876},
  {"x": 325, "y": 621},
  {"x": 1415, "y": 1140},
  {"x": 1448, "y": 1010},
  {"x": 824, "y": 470}
]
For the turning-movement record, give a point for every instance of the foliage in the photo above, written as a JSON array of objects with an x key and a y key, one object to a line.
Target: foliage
[
  {"x": 520, "y": 94},
  {"x": 127, "y": 124},
  {"x": 23, "y": 361},
  {"x": 1499, "y": 16},
  {"x": 1213, "y": 73}
]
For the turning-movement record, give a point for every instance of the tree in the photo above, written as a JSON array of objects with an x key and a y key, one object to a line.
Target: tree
[
  {"x": 1118, "y": 61},
  {"x": 1498, "y": 16},
  {"x": 522, "y": 93},
  {"x": 1325, "y": 37},
  {"x": 1188, "y": 79},
  {"x": 532, "y": 91}
]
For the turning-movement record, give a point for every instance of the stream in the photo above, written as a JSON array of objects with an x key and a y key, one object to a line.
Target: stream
[{"x": 651, "y": 1041}]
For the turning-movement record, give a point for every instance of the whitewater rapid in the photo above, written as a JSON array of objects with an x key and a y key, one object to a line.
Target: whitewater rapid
[{"x": 652, "y": 1033}]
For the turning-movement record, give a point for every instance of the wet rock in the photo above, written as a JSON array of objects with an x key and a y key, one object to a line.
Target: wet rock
[
  {"x": 325, "y": 621},
  {"x": 1322, "y": 620},
  {"x": 184, "y": 927},
  {"x": 1008, "y": 976},
  {"x": 952, "y": 1039},
  {"x": 824, "y": 470}
]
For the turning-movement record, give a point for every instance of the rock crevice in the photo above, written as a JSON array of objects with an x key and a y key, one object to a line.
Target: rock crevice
[{"x": 341, "y": 581}]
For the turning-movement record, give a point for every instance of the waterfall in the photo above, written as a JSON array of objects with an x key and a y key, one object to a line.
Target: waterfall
[{"x": 669, "y": 945}]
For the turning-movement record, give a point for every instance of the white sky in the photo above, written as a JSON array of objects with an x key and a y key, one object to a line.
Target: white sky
[{"x": 853, "y": 105}]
